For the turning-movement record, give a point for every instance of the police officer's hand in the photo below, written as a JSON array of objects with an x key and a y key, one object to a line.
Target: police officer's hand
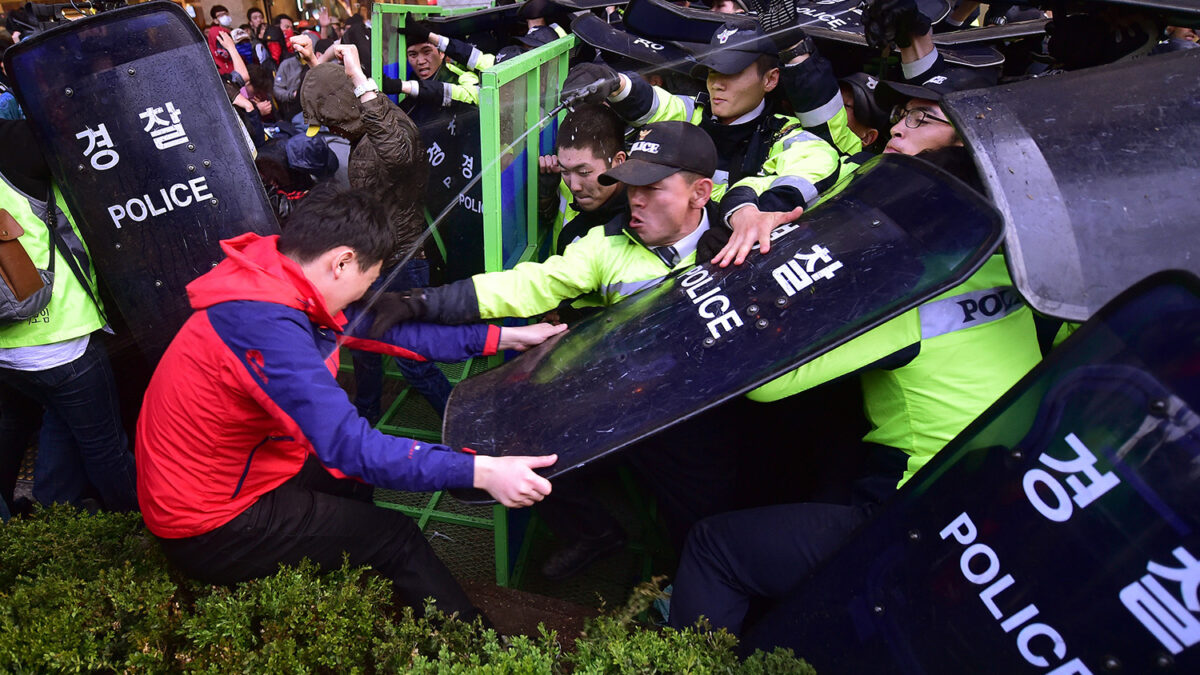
[
  {"x": 751, "y": 226},
  {"x": 415, "y": 32},
  {"x": 779, "y": 22},
  {"x": 511, "y": 480},
  {"x": 589, "y": 83},
  {"x": 520, "y": 338},
  {"x": 898, "y": 21},
  {"x": 390, "y": 309}
]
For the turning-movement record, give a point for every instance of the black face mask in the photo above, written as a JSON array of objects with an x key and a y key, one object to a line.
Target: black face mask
[{"x": 22, "y": 162}]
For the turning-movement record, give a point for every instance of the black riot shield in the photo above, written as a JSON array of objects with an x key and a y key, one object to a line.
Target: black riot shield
[
  {"x": 589, "y": 4},
  {"x": 477, "y": 21},
  {"x": 600, "y": 35},
  {"x": 899, "y": 234},
  {"x": 451, "y": 140},
  {"x": 1008, "y": 31},
  {"x": 153, "y": 162},
  {"x": 1092, "y": 195},
  {"x": 845, "y": 16},
  {"x": 841, "y": 22},
  {"x": 662, "y": 20},
  {"x": 1060, "y": 532}
]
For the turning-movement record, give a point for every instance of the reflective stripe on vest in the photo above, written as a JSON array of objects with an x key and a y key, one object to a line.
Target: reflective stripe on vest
[
  {"x": 967, "y": 310},
  {"x": 625, "y": 289}
]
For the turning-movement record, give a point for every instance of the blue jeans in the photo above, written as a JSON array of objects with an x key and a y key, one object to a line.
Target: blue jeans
[
  {"x": 82, "y": 442},
  {"x": 422, "y": 376}
]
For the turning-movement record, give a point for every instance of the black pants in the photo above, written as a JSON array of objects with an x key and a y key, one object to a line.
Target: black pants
[
  {"x": 319, "y": 517},
  {"x": 732, "y": 559},
  {"x": 691, "y": 470}
]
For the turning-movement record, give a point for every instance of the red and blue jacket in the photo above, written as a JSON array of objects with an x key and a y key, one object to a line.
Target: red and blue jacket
[{"x": 246, "y": 391}]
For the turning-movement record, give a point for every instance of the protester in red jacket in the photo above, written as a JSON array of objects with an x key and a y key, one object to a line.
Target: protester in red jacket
[{"x": 245, "y": 437}]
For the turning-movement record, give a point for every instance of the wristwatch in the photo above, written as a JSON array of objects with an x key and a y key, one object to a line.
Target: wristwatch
[
  {"x": 363, "y": 88},
  {"x": 801, "y": 48}
]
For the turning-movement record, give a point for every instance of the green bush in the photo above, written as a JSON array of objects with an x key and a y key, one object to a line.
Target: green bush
[{"x": 82, "y": 593}]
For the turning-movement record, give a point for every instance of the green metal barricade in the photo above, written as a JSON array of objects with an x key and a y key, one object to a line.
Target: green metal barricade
[{"x": 491, "y": 231}]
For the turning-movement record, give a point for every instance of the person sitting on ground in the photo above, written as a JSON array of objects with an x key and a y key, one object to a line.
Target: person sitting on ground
[{"x": 249, "y": 453}]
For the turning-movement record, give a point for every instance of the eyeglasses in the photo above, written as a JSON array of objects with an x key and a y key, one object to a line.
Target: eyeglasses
[{"x": 914, "y": 118}]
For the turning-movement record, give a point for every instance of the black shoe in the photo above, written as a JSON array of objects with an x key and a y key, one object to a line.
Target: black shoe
[{"x": 572, "y": 558}]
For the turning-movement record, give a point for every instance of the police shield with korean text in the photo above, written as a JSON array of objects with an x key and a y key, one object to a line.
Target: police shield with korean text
[{"x": 148, "y": 152}]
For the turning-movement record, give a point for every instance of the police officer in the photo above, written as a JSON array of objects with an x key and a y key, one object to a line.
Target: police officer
[
  {"x": 925, "y": 375},
  {"x": 814, "y": 93},
  {"x": 591, "y": 140},
  {"x": 55, "y": 357},
  {"x": 669, "y": 190},
  {"x": 757, "y": 149},
  {"x": 667, "y": 178}
]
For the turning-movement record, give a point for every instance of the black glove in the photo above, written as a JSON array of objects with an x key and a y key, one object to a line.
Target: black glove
[
  {"x": 711, "y": 243},
  {"x": 395, "y": 308},
  {"x": 779, "y": 22},
  {"x": 415, "y": 32},
  {"x": 888, "y": 21},
  {"x": 589, "y": 83}
]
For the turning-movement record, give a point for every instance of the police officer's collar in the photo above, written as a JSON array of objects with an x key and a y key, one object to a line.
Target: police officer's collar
[
  {"x": 684, "y": 247},
  {"x": 750, "y": 116}
]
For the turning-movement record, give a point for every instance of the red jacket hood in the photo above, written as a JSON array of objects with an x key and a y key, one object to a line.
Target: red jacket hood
[{"x": 254, "y": 269}]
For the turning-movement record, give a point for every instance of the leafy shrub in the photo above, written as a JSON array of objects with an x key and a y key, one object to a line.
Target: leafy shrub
[{"x": 82, "y": 593}]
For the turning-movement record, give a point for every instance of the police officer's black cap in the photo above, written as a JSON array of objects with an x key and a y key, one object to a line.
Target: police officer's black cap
[
  {"x": 867, "y": 110},
  {"x": 933, "y": 87},
  {"x": 735, "y": 45},
  {"x": 542, "y": 35},
  {"x": 663, "y": 149}
]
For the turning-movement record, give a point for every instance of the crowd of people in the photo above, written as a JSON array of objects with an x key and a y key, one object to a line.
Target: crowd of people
[{"x": 248, "y": 452}]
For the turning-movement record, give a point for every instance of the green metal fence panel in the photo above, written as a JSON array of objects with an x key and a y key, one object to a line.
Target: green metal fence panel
[
  {"x": 513, "y": 130},
  {"x": 514, "y": 99}
]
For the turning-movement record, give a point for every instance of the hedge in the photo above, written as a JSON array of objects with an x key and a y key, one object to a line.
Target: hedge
[{"x": 92, "y": 593}]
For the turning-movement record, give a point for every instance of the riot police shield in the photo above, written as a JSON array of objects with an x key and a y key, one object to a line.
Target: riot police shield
[
  {"x": 1058, "y": 531},
  {"x": 846, "y": 16},
  {"x": 152, "y": 160},
  {"x": 602, "y": 36},
  {"x": 451, "y": 139},
  {"x": 590, "y": 4},
  {"x": 1081, "y": 167},
  {"x": 477, "y": 21},
  {"x": 900, "y": 233}
]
